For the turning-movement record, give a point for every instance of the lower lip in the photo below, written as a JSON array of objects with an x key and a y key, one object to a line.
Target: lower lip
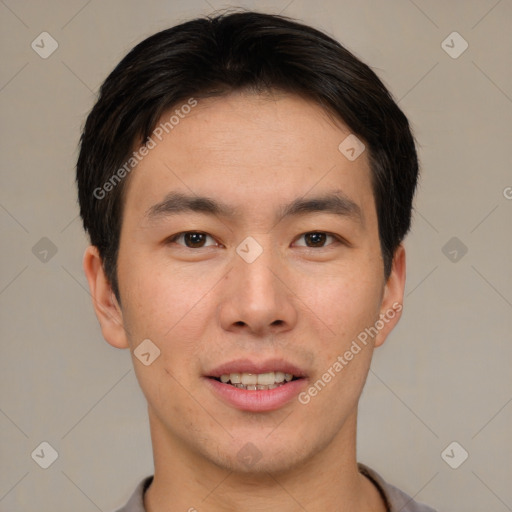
[{"x": 258, "y": 400}]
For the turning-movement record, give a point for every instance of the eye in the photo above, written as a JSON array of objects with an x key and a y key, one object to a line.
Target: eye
[
  {"x": 192, "y": 239},
  {"x": 316, "y": 239}
]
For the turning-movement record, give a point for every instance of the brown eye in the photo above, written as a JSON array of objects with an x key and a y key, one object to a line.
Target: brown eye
[
  {"x": 315, "y": 239},
  {"x": 192, "y": 239}
]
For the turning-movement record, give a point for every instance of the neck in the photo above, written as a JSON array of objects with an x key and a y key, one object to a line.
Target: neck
[{"x": 185, "y": 480}]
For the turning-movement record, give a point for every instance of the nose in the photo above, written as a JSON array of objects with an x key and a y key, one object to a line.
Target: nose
[{"x": 257, "y": 298}]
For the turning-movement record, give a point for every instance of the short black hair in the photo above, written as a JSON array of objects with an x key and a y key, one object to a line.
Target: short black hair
[{"x": 239, "y": 51}]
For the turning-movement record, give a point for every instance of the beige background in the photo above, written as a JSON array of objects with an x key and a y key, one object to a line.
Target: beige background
[{"x": 443, "y": 376}]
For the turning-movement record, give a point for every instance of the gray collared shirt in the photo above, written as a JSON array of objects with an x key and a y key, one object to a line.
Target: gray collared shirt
[{"x": 396, "y": 500}]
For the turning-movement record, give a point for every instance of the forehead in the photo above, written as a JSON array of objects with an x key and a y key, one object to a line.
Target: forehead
[{"x": 250, "y": 149}]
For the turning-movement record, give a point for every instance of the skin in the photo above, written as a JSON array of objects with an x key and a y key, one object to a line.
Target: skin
[{"x": 205, "y": 306}]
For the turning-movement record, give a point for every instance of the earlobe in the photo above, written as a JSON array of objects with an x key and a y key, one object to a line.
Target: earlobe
[
  {"x": 105, "y": 304},
  {"x": 392, "y": 302}
]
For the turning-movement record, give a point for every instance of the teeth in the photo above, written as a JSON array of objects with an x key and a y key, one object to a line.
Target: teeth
[
  {"x": 279, "y": 376},
  {"x": 254, "y": 381},
  {"x": 249, "y": 379},
  {"x": 266, "y": 378},
  {"x": 260, "y": 387}
]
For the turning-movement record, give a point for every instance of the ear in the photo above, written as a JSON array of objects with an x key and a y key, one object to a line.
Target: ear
[
  {"x": 107, "y": 309},
  {"x": 393, "y": 296}
]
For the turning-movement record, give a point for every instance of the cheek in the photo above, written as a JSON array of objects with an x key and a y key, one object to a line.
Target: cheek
[
  {"x": 162, "y": 303},
  {"x": 347, "y": 300},
  {"x": 170, "y": 312}
]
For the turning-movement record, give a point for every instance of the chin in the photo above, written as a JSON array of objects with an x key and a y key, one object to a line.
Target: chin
[{"x": 261, "y": 455}]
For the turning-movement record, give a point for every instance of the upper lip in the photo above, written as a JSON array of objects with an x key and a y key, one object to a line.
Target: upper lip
[{"x": 253, "y": 366}]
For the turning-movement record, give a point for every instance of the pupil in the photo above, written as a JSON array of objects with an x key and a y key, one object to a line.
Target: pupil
[
  {"x": 315, "y": 239},
  {"x": 194, "y": 239}
]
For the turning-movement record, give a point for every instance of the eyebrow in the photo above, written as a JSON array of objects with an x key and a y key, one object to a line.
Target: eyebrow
[
  {"x": 336, "y": 203},
  {"x": 176, "y": 203}
]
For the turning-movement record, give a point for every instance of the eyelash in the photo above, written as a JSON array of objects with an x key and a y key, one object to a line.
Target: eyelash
[{"x": 336, "y": 238}]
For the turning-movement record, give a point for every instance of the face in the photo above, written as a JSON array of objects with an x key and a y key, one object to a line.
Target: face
[{"x": 249, "y": 245}]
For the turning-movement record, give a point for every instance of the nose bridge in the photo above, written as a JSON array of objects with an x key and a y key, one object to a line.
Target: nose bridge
[
  {"x": 255, "y": 265},
  {"x": 257, "y": 299}
]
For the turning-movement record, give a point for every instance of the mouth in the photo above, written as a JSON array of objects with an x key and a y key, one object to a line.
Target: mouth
[
  {"x": 255, "y": 381},
  {"x": 257, "y": 387}
]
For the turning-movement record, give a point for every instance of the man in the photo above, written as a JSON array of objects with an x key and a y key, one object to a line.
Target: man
[{"x": 246, "y": 184}]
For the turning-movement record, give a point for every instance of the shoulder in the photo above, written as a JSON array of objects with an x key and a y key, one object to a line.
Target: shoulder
[
  {"x": 396, "y": 499},
  {"x": 136, "y": 501}
]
